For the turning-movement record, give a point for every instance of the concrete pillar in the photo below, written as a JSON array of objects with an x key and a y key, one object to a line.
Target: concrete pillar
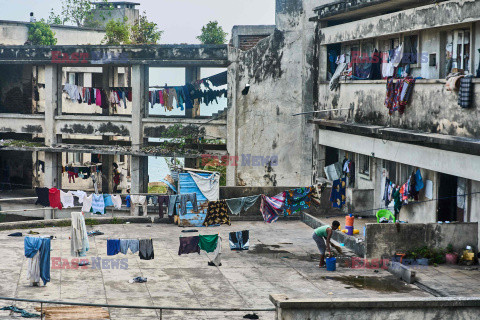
[
  {"x": 52, "y": 108},
  {"x": 191, "y": 74},
  {"x": 53, "y": 172},
  {"x": 109, "y": 78},
  {"x": 232, "y": 87},
  {"x": 139, "y": 165}
]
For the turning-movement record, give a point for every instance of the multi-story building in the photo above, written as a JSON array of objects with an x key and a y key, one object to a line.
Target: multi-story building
[{"x": 434, "y": 133}]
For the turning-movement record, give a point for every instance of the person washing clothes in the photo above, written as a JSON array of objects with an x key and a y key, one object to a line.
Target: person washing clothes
[{"x": 324, "y": 232}]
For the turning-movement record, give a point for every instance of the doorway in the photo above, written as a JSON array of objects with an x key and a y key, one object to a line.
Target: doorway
[{"x": 447, "y": 194}]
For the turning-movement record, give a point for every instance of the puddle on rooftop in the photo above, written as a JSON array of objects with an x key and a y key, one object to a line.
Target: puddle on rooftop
[
  {"x": 379, "y": 284},
  {"x": 273, "y": 251}
]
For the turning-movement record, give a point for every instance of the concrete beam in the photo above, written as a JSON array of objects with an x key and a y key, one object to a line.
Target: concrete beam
[
  {"x": 453, "y": 163},
  {"x": 22, "y": 123},
  {"x": 437, "y": 15},
  {"x": 94, "y": 125},
  {"x": 97, "y": 55},
  {"x": 210, "y": 129}
]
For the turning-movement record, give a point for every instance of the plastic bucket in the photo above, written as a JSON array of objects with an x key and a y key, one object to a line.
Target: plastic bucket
[
  {"x": 349, "y": 230},
  {"x": 331, "y": 264},
  {"x": 349, "y": 221}
]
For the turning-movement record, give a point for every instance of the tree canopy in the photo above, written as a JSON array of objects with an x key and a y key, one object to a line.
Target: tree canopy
[{"x": 212, "y": 33}]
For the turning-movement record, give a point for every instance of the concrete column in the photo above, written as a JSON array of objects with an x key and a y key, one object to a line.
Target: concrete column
[
  {"x": 139, "y": 165},
  {"x": 53, "y": 165},
  {"x": 191, "y": 74},
  {"x": 232, "y": 87},
  {"x": 52, "y": 93},
  {"x": 52, "y": 108},
  {"x": 109, "y": 78}
]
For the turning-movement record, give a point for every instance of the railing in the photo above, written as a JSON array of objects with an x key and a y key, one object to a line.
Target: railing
[{"x": 159, "y": 308}]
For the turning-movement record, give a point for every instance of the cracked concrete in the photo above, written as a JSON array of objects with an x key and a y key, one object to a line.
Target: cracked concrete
[{"x": 244, "y": 280}]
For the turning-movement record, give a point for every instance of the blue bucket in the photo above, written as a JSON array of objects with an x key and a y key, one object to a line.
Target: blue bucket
[{"x": 331, "y": 264}]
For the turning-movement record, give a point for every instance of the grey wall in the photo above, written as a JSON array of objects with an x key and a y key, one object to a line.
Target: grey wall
[
  {"x": 380, "y": 308},
  {"x": 261, "y": 123},
  {"x": 383, "y": 240},
  {"x": 16, "y": 33}
]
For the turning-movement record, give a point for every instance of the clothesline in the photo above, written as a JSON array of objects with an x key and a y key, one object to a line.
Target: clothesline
[{"x": 412, "y": 202}]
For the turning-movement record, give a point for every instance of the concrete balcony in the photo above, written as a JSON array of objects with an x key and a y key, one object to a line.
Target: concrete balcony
[
  {"x": 348, "y": 10},
  {"x": 432, "y": 109}
]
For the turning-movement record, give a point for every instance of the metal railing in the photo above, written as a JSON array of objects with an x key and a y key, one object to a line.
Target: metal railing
[{"x": 159, "y": 308}]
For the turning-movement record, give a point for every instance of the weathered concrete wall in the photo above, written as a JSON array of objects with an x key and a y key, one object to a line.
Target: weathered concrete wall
[
  {"x": 278, "y": 70},
  {"x": 365, "y": 309},
  {"x": 16, "y": 88},
  {"x": 16, "y": 33},
  {"x": 432, "y": 109},
  {"x": 383, "y": 240},
  {"x": 436, "y": 15}
]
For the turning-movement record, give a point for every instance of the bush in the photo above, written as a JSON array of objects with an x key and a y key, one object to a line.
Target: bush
[
  {"x": 117, "y": 32},
  {"x": 40, "y": 33}
]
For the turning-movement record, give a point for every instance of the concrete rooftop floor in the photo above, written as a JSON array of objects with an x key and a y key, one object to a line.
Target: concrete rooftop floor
[{"x": 281, "y": 259}]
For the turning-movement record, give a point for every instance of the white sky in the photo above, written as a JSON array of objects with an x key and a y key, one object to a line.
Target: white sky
[{"x": 181, "y": 20}]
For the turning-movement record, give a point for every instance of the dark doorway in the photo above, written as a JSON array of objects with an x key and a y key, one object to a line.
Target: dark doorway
[
  {"x": 331, "y": 156},
  {"x": 447, "y": 194}
]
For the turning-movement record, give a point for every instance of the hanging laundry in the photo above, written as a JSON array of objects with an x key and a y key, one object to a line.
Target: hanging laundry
[
  {"x": 80, "y": 195},
  {"x": 271, "y": 207},
  {"x": 34, "y": 245},
  {"x": 239, "y": 240},
  {"x": 172, "y": 201},
  {"x": 162, "y": 200},
  {"x": 128, "y": 200},
  {"x": 238, "y": 204},
  {"x": 218, "y": 80},
  {"x": 108, "y": 200},
  {"x": 397, "y": 203},
  {"x": 189, "y": 245},
  {"x": 87, "y": 203},
  {"x": 217, "y": 254},
  {"x": 217, "y": 213},
  {"x": 42, "y": 197},
  {"x": 138, "y": 200},
  {"x": 208, "y": 243},
  {"x": 184, "y": 198},
  {"x": 113, "y": 247},
  {"x": 79, "y": 244},
  {"x": 66, "y": 198},
  {"x": 117, "y": 201},
  {"x": 132, "y": 244},
  {"x": 387, "y": 192},
  {"x": 465, "y": 95},
  {"x": 145, "y": 249},
  {"x": 98, "y": 204},
  {"x": 72, "y": 91},
  {"x": 297, "y": 200},
  {"x": 418, "y": 180},
  {"x": 209, "y": 186},
  {"x": 338, "y": 195},
  {"x": 54, "y": 198}
]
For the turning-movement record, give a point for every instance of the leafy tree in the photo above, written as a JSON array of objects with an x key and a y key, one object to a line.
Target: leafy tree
[
  {"x": 54, "y": 18},
  {"x": 145, "y": 32},
  {"x": 212, "y": 33},
  {"x": 78, "y": 12},
  {"x": 117, "y": 32},
  {"x": 40, "y": 33}
]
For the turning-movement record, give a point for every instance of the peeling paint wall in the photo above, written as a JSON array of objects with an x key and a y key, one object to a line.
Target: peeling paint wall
[
  {"x": 260, "y": 124},
  {"x": 432, "y": 109},
  {"x": 16, "y": 33}
]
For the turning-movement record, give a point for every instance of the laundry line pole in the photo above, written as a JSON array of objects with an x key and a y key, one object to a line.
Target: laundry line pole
[{"x": 320, "y": 111}]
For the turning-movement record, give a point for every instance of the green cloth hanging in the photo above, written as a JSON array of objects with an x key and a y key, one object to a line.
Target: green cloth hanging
[{"x": 208, "y": 243}]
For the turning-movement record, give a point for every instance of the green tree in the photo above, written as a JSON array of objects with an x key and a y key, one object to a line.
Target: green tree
[
  {"x": 78, "y": 12},
  {"x": 145, "y": 32},
  {"x": 117, "y": 32},
  {"x": 212, "y": 33},
  {"x": 40, "y": 33}
]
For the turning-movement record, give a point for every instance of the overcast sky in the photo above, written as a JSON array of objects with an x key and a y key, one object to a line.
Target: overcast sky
[{"x": 181, "y": 20}]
